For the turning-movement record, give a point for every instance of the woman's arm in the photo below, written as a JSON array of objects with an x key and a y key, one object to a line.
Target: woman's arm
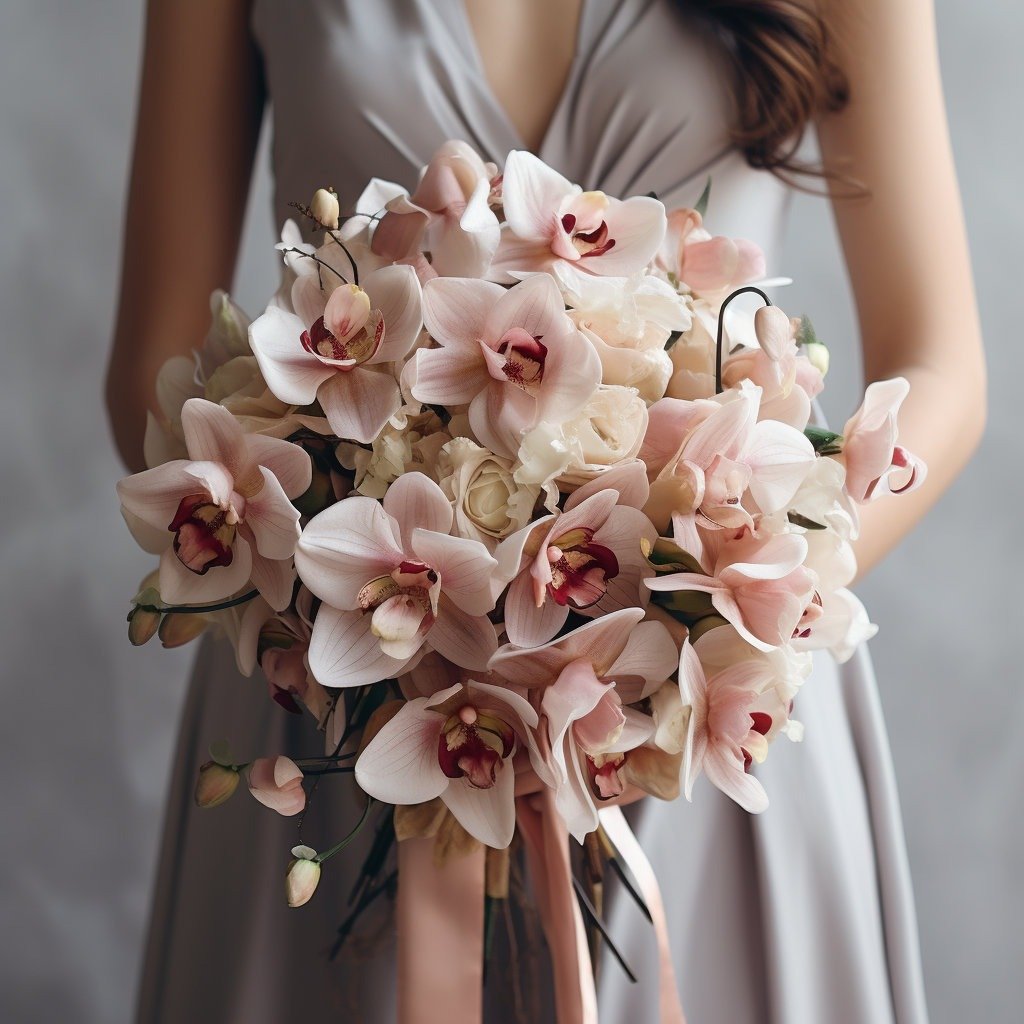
[
  {"x": 906, "y": 246},
  {"x": 200, "y": 107}
]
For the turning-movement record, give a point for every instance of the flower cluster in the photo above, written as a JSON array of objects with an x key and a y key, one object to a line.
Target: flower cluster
[{"x": 501, "y": 492}]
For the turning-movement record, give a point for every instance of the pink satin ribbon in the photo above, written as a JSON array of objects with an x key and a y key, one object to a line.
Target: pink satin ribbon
[{"x": 441, "y": 922}]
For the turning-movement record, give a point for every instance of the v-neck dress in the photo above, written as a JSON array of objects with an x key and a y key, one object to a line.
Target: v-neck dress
[{"x": 802, "y": 915}]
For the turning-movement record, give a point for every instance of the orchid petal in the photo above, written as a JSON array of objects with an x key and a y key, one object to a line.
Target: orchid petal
[
  {"x": 292, "y": 374},
  {"x": 414, "y": 501},
  {"x": 344, "y": 652},
  {"x": 489, "y": 815},
  {"x": 358, "y": 403}
]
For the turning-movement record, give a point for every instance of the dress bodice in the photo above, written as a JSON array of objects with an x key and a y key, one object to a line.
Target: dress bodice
[{"x": 370, "y": 89}]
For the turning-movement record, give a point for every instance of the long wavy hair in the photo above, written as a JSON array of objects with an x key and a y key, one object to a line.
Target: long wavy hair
[{"x": 785, "y": 75}]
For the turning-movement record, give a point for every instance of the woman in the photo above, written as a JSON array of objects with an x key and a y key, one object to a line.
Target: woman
[{"x": 803, "y": 914}]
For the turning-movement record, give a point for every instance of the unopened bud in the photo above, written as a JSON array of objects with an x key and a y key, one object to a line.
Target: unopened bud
[
  {"x": 325, "y": 208},
  {"x": 774, "y": 331},
  {"x": 215, "y": 784},
  {"x": 142, "y": 624},
  {"x": 817, "y": 355},
  {"x": 178, "y": 629},
  {"x": 303, "y": 876}
]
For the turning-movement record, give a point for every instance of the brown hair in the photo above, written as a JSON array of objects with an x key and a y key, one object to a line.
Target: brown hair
[{"x": 785, "y": 75}]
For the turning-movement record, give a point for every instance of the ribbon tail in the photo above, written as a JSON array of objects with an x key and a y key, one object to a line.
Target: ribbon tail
[
  {"x": 547, "y": 849},
  {"x": 440, "y": 935},
  {"x": 621, "y": 835}
]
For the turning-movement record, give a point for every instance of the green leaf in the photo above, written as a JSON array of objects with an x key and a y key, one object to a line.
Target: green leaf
[
  {"x": 806, "y": 335},
  {"x": 701, "y": 205},
  {"x": 825, "y": 442}
]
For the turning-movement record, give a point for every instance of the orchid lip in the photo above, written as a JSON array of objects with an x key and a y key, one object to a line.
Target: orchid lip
[{"x": 203, "y": 534}]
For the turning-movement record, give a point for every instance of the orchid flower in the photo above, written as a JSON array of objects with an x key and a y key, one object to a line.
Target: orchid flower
[
  {"x": 757, "y": 583},
  {"x": 586, "y": 559},
  {"x": 337, "y": 345},
  {"x": 590, "y": 735},
  {"x": 513, "y": 355},
  {"x": 549, "y": 219},
  {"x": 224, "y": 516},
  {"x": 723, "y": 723},
  {"x": 705, "y": 456},
  {"x": 706, "y": 264},
  {"x": 448, "y": 215},
  {"x": 277, "y": 783},
  {"x": 457, "y": 745},
  {"x": 875, "y": 463},
  {"x": 393, "y": 578}
]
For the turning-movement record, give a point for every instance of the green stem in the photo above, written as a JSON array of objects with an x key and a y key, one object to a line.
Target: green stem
[
  {"x": 321, "y": 857},
  {"x": 202, "y": 609}
]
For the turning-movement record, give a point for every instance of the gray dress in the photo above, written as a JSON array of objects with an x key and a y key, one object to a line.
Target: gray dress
[{"x": 803, "y": 915}]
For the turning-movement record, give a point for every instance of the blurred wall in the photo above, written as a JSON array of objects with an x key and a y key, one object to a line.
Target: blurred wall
[{"x": 88, "y": 722}]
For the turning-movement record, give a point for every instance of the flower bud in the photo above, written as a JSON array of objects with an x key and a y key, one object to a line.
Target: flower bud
[
  {"x": 179, "y": 629},
  {"x": 774, "y": 331},
  {"x": 215, "y": 784},
  {"x": 325, "y": 208},
  {"x": 817, "y": 355},
  {"x": 142, "y": 624},
  {"x": 303, "y": 876}
]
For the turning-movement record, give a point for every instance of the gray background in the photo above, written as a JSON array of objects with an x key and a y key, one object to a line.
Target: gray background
[{"x": 87, "y": 722}]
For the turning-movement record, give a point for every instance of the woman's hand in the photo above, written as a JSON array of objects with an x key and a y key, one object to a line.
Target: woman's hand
[
  {"x": 906, "y": 246},
  {"x": 200, "y": 108}
]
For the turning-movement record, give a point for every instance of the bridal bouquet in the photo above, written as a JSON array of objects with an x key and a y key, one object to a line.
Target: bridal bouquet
[{"x": 504, "y": 490}]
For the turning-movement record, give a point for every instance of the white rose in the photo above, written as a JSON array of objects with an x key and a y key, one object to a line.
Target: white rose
[
  {"x": 628, "y": 321},
  {"x": 489, "y": 503},
  {"x": 410, "y": 442},
  {"x": 609, "y": 430}
]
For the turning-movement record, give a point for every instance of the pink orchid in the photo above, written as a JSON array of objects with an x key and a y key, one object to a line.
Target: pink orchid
[
  {"x": 277, "y": 783},
  {"x": 787, "y": 378},
  {"x": 733, "y": 716},
  {"x": 513, "y": 355},
  {"x": 875, "y": 463},
  {"x": 705, "y": 456},
  {"x": 549, "y": 219},
  {"x": 457, "y": 745},
  {"x": 337, "y": 347},
  {"x": 224, "y": 516},
  {"x": 587, "y": 559},
  {"x": 590, "y": 735},
  {"x": 637, "y": 656},
  {"x": 706, "y": 264},
  {"x": 448, "y": 215},
  {"x": 758, "y": 583},
  {"x": 393, "y": 578}
]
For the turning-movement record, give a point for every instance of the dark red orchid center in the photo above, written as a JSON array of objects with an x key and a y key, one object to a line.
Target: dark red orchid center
[
  {"x": 355, "y": 347},
  {"x": 587, "y": 243},
  {"x": 202, "y": 534},
  {"x": 473, "y": 745},
  {"x": 604, "y": 772},
  {"x": 580, "y": 569},
  {"x": 524, "y": 358}
]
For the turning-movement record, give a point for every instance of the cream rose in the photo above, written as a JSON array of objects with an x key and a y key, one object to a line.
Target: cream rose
[
  {"x": 410, "y": 441},
  {"x": 608, "y": 431},
  {"x": 489, "y": 503}
]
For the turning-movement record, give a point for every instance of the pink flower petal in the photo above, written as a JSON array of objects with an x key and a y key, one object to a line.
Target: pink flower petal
[
  {"x": 455, "y": 309},
  {"x": 396, "y": 292},
  {"x": 488, "y": 815},
  {"x": 357, "y": 403},
  {"x": 289, "y": 462},
  {"x": 532, "y": 193},
  {"x": 467, "y": 640},
  {"x": 414, "y": 501},
  {"x": 399, "y": 765},
  {"x": 292, "y": 374},
  {"x": 273, "y": 578},
  {"x": 346, "y": 546},
  {"x": 344, "y": 652},
  {"x": 272, "y": 518},
  {"x": 212, "y": 434},
  {"x": 179, "y": 585},
  {"x": 638, "y": 227},
  {"x": 525, "y": 623}
]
